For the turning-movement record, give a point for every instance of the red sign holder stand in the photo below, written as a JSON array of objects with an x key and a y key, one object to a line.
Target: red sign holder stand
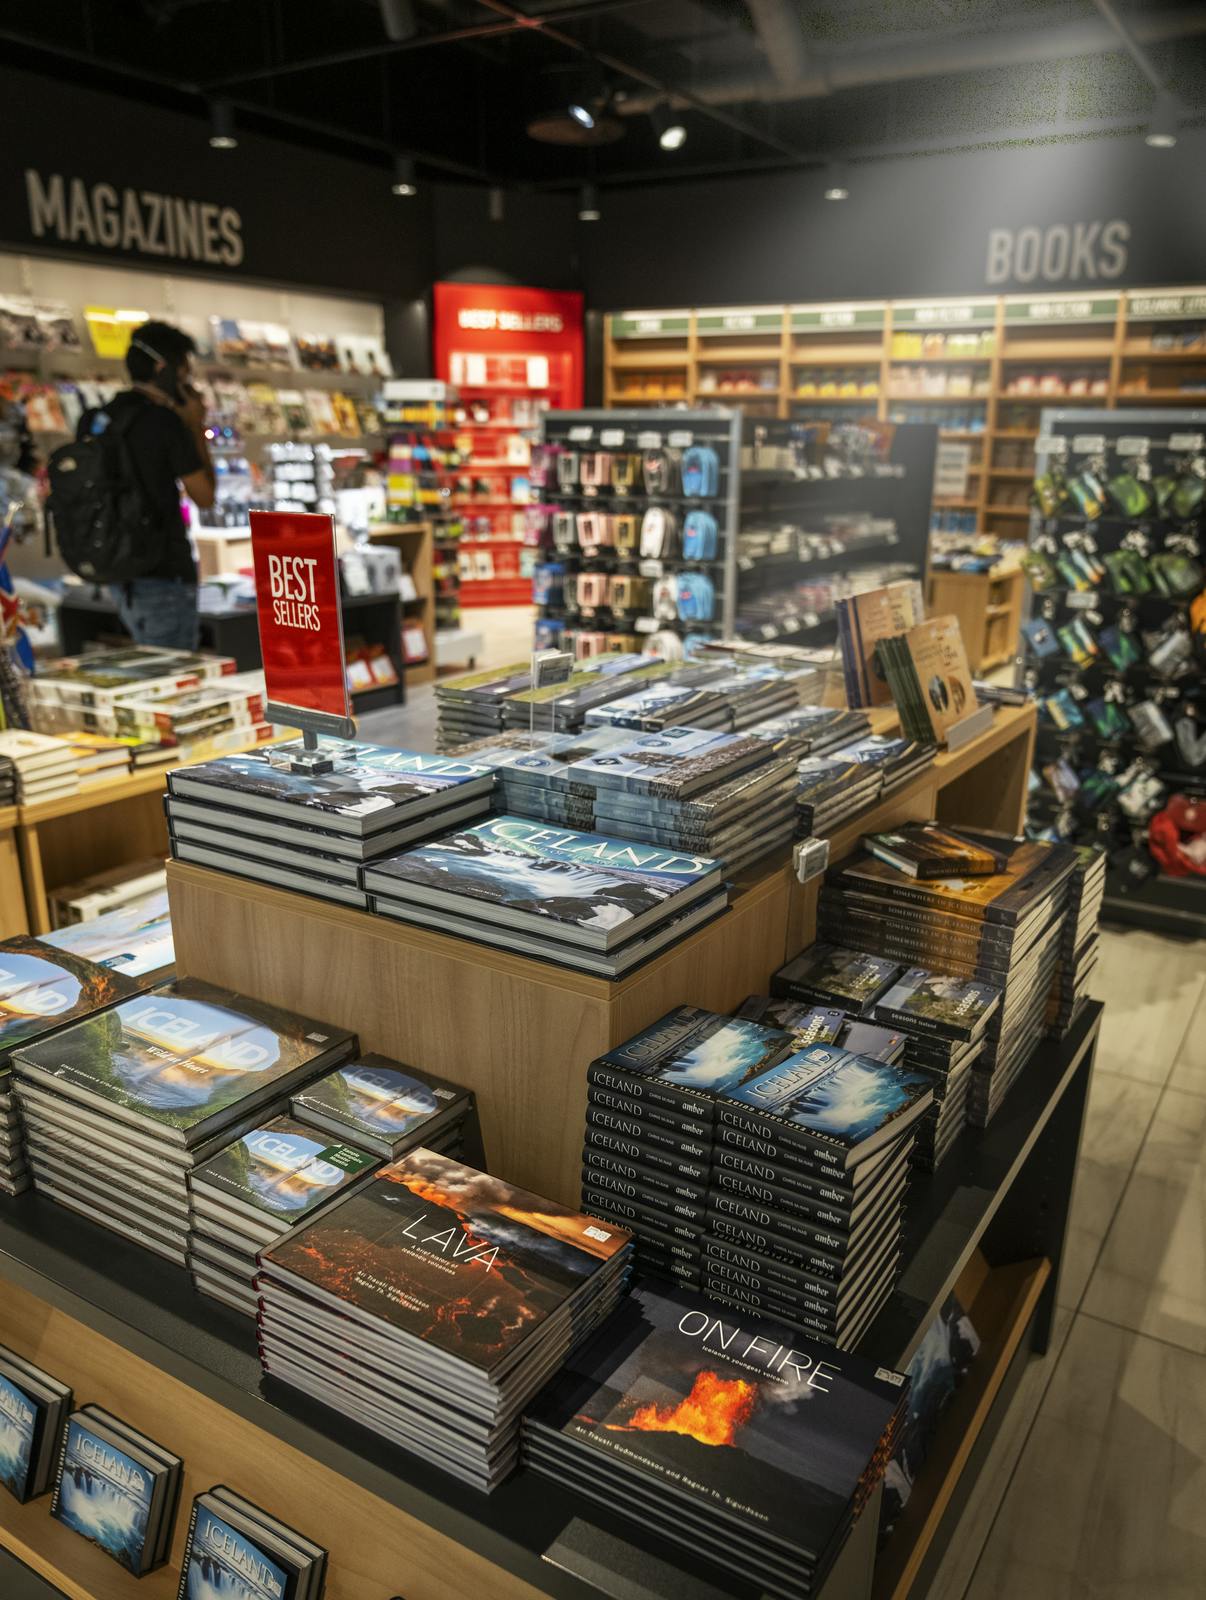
[{"x": 301, "y": 629}]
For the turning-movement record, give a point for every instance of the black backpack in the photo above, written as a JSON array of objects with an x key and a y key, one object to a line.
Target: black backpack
[{"x": 104, "y": 528}]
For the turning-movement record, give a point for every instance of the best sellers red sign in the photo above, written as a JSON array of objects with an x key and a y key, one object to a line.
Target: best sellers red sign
[{"x": 301, "y": 627}]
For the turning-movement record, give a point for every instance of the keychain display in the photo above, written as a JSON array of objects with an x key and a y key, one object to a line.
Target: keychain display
[{"x": 1115, "y": 650}]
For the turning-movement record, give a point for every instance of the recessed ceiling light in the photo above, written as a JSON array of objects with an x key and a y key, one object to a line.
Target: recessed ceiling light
[
  {"x": 404, "y": 177},
  {"x": 837, "y": 184},
  {"x": 671, "y": 134},
  {"x": 1162, "y": 128},
  {"x": 588, "y": 203},
  {"x": 222, "y": 126}
]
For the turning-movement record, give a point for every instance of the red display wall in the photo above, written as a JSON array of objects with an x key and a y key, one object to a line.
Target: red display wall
[{"x": 511, "y": 353}]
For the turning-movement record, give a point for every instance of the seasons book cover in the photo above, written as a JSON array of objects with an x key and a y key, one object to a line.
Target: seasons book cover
[
  {"x": 43, "y": 988},
  {"x": 376, "y": 1096},
  {"x": 222, "y": 1563},
  {"x": 851, "y": 979},
  {"x": 179, "y": 1055},
  {"x": 556, "y": 874},
  {"x": 367, "y": 782},
  {"x": 700, "y": 1051},
  {"x": 104, "y": 1495},
  {"x": 762, "y": 1426},
  {"x": 466, "y": 1262},
  {"x": 283, "y": 1170},
  {"x": 955, "y": 1008},
  {"x": 1033, "y": 870}
]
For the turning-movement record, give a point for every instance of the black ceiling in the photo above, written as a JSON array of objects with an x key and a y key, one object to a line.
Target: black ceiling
[{"x": 758, "y": 84}]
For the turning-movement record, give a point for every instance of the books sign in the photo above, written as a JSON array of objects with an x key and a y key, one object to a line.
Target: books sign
[{"x": 301, "y": 626}]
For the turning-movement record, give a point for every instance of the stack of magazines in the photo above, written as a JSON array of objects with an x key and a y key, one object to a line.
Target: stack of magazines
[
  {"x": 256, "y": 816},
  {"x": 432, "y": 1302},
  {"x": 42, "y": 990},
  {"x": 120, "y": 1107},
  {"x": 730, "y": 1435},
  {"x": 808, "y": 730},
  {"x": 1003, "y": 928},
  {"x": 1079, "y": 942},
  {"x": 247, "y": 1195},
  {"x": 578, "y": 899}
]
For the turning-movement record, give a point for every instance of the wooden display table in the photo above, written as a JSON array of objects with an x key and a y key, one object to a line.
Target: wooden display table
[
  {"x": 520, "y": 1033},
  {"x": 14, "y": 918}
]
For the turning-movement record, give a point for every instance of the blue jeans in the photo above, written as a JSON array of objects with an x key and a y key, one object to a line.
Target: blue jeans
[{"x": 159, "y": 611}]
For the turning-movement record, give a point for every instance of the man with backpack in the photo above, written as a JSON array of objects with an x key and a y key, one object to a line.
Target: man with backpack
[{"x": 115, "y": 493}]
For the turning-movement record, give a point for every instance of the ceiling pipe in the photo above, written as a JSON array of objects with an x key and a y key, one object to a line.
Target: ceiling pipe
[
  {"x": 782, "y": 39},
  {"x": 928, "y": 56}
]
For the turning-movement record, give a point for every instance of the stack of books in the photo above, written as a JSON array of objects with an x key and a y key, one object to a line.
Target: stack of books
[
  {"x": 726, "y": 795},
  {"x": 42, "y": 989},
  {"x": 825, "y": 1024},
  {"x": 578, "y": 899},
  {"x": 470, "y": 707},
  {"x": 34, "y": 1407},
  {"x": 98, "y": 758},
  {"x": 753, "y": 695},
  {"x": 45, "y": 767},
  {"x": 1003, "y": 928},
  {"x": 865, "y": 621},
  {"x": 728, "y": 1434},
  {"x": 430, "y": 1304},
  {"x": 1079, "y": 942},
  {"x": 135, "y": 939},
  {"x": 808, "y": 730},
  {"x": 254, "y": 816},
  {"x": 897, "y": 760},
  {"x": 227, "y": 714},
  {"x": 830, "y": 791},
  {"x": 564, "y": 707},
  {"x": 116, "y": 889},
  {"x": 82, "y": 692},
  {"x": 152, "y": 1089},
  {"x": 647, "y": 1157},
  {"x": 663, "y": 705},
  {"x": 480, "y": 704},
  {"x": 252, "y": 1192},
  {"x": 387, "y": 1108},
  {"x": 8, "y": 781},
  {"x": 118, "y": 1489},
  {"x": 230, "y": 1539}
]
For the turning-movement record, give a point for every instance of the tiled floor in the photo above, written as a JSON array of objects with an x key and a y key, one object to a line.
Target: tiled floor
[{"x": 1097, "y": 1485}]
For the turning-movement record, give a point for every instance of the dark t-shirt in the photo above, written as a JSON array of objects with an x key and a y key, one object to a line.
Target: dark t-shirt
[{"x": 162, "y": 451}]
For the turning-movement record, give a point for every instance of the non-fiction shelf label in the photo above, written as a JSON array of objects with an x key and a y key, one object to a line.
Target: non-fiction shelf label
[
  {"x": 1076, "y": 308},
  {"x": 946, "y": 314}
]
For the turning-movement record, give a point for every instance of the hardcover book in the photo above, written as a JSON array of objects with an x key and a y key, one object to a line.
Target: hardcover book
[
  {"x": 955, "y": 1008},
  {"x": 280, "y": 1171},
  {"x": 928, "y": 850},
  {"x": 580, "y": 887},
  {"x": 43, "y": 988},
  {"x": 22, "y": 1419},
  {"x": 223, "y": 1562},
  {"x": 380, "y": 1102},
  {"x": 1034, "y": 870},
  {"x": 851, "y": 979},
  {"x": 935, "y": 674},
  {"x": 104, "y": 1494},
  {"x": 867, "y": 618},
  {"x": 370, "y": 787},
  {"x": 672, "y": 764},
  {"x": 691, "y": 1054},
  {"x": 771, "y": 1435},
  {"x": 468, "y": 1264},
  {"x": 186, "y": 1058}
]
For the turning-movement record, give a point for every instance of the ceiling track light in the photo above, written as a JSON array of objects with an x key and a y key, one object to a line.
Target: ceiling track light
[
  {"x": 399, "y": 20},
  {"x": 222, "y": 134},
  {"x": 837, "y": 181},
  {"x": 588, "y": 203},
  {"x": 671, "y": 134},
  {"x": 1165, "y": 120},
  {"x": 404, "y": 177},
  {"x": 496, "y": 204}
]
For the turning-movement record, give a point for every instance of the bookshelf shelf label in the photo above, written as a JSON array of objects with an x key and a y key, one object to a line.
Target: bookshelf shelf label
[
  {"x": 1080, "y": 308},
  {"x": 811, "y": 318},
  {"x": 667, "y": 326},
  {"x": 1166, "y": 307},
  {"x": 714, "y": 322},
  {"x": 946, "y": 314}
]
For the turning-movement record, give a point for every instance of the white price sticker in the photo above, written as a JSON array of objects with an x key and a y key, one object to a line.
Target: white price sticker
[
  {"x": 1131, "y": 444},
  {"x": 1186, "y": 441},
  {"x": 645, "y": 625},
  {"x": 581, "y": 434},
  {"x": 680, "y": 439},
  {"x": 611, "y": 438},
  {"x": 649, "y": 441},
  {"x": 1088, "y": 444}
]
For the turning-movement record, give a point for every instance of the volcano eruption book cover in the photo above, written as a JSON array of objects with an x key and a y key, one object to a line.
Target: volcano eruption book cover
[
  {"x": 769, "y": 1429},
  {"x": 463, "y": 1261}
]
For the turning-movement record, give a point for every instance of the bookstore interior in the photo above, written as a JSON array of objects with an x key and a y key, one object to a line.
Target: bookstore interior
[{"x": 603, "y": 801}]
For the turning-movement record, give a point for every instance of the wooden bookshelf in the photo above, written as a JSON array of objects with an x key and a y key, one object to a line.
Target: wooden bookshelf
[
  {"x": 416, "y": 541},
  {"x": 1015, "y": 354}
]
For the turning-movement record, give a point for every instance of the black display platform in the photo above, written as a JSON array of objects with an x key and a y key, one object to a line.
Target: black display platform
[{"x": 1004, "y": 1190}]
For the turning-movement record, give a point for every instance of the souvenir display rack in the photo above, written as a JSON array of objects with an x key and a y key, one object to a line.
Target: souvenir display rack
[
  {"x": 1137, "y": 892},
  {"x": 981, "y": 369}
]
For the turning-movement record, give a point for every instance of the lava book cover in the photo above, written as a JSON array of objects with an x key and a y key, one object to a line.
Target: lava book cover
[
  {"x": 466, "y": 1262},
  {"x": 104, "y": 1495},
  {"x": 954, "y": 1008},
  {"x": 850, "y": 979},
  {"x": 21, "y": 1421},
  {"x": 42, "y": 988},
  {"x": 180, "y": 1054},
  {"x": 368, "y": 783},
  {"x": 377, "y": 1096},
  {"x": 222, "y": 1563},
  {"x": 699, "y": 1051},
  {"x": 283, "y": 1170},
  {"x": 755, "y": 1422},
  {"x": 554, "y": 874}
]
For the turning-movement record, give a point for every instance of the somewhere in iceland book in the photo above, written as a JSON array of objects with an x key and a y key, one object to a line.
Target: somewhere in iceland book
[
  {"x": 928, "y": 850},
  {"x": 467, "y": 1263}
]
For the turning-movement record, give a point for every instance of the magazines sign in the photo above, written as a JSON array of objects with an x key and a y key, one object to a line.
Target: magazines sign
[{"x": 301, "y": 626}]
